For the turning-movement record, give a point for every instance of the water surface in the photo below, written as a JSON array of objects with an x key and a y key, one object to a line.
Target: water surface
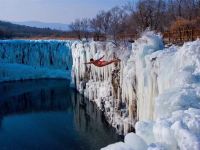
[{"x": 49, "y": 115}]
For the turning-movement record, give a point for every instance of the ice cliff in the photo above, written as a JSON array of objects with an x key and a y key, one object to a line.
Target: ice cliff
[
  {"x": 104, "y": 85},
  {"x": 154, "y": 89},
  {"x": 31, "y": 59}
]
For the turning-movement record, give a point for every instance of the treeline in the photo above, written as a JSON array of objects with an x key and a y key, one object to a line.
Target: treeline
[
  {"x": 9, "y": 30},
  {"x": 135, "y": 17}
]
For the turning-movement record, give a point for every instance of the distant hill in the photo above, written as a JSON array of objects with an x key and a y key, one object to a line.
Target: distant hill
[
  {"x": 10, "y": 30},
  {"x": 38, "y": 24}
]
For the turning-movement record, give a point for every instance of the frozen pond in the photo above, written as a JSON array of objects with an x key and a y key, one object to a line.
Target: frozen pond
[{"x": 49, "y": 115}]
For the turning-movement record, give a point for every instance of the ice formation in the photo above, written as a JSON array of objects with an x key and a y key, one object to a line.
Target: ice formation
[
  {"x": 32, "y": 59},
  {"x": 154, "y": 90},
  {"x": 104, "y": 85},
  {"x": 131, "y": 142},
  {"x": 157, "y": 87}
]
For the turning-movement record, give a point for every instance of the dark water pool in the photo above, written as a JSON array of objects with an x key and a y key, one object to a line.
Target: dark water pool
[{"x": 49, "y": 115}]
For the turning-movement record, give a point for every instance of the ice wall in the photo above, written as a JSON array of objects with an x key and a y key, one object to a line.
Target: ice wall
[
  {"x": 24, "y": 59},
  {"x": 156, "y": 86},
  {"x": 104, "y": 85},
  {"x": 123, "y": 90},
  {"x": 167, "y": 93},
  {"x": 146, "y": 75},
  {"x": 51, "y": 54}
]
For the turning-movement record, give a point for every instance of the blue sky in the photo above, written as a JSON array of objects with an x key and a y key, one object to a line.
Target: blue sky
[{"x": 61, "y": 11}]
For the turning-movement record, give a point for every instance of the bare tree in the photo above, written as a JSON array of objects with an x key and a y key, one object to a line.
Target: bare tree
[
  {"x": 135, "y": 16},
  {"x": 80, "y": 28},
  {"x": 85, "y": 28},
  {"x": 76, "y": 28},
  {"x": 117, "y": 23},
  {"x": 144, "y": 14},
  {"x": 110, "y": 23},
  {"x": 100, "y": 24}
]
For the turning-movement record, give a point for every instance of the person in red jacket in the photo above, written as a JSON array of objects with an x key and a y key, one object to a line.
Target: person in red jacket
[{"x": 101, "y": 63}]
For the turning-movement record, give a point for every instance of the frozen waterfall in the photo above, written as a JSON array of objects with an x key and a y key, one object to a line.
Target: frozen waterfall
[
  {"x": 31, "y": 59},
  {"x": 156, "y": 87}
]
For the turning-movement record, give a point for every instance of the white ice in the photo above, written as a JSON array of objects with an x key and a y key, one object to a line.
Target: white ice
[{"x": 164, "y": 83}]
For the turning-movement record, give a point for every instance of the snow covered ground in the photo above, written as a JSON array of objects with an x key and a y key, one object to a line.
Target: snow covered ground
[
  {"x": 29, "y": 59},
  {"x": 157, "y": 87}
]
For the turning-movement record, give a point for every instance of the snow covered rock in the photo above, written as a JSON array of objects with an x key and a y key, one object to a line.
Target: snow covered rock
[
  {"x": 156, "y": 146},
  {"x": 118, "y": 146},
  {"x": 131, "y": 142},
  {"x": 135, "y": 141},
  {"x": 144, "y": 129}
]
